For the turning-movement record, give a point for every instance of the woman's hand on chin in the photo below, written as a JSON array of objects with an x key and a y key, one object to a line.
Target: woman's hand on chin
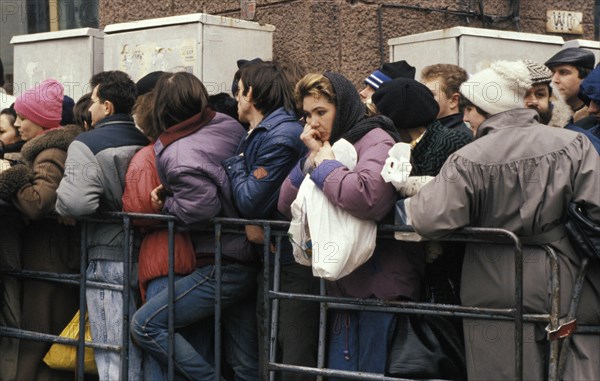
[{"x": 325, "y": 153}]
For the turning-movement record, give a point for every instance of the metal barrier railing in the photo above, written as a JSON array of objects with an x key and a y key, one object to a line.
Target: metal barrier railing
[
  {"x": 278, "y": 231},
  {"x": 465, "y": 235}
]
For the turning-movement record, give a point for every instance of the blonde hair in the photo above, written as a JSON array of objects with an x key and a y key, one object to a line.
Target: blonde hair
[
  {"x": 451, "y": 75},
  {"x": 316, "y": 85},
  {"x": 371, "y": 108}
]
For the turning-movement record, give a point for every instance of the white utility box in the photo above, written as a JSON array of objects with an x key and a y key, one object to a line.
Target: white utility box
[
  {"x": 474, "y": 49},
  {"x": 205, "y": 45},
  {"x": 71, "y": 57}
]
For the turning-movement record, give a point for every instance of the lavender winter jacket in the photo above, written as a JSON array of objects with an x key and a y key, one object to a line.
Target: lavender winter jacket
[
  {"x": 197, "y": 184},
  {"x": 395, "y": 270}
]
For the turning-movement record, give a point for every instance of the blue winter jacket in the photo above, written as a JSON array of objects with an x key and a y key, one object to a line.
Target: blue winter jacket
[
  {"x": 590, "y": 90},
  {"x": 264, "y": 159}
]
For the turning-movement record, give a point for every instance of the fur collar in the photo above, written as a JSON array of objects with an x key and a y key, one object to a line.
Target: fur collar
[
  {"x": 561, "y": 113},
  {"x": 59, "y": 138}
]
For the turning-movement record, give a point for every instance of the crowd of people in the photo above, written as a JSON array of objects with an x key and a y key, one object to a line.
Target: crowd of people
[{"x": 507, "y": 147}]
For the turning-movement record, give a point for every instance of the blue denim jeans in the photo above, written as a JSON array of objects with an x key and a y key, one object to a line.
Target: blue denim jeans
[
  {"x": 197, "y": 334},
  {"x": 195, "y": 300},
  {"x": 105, "y": 311},
  {"x": 359, "y": 340}
]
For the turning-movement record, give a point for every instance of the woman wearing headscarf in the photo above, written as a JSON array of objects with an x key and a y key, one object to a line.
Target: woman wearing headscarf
[
  {"x": 333, "y": 110},
  {"x": 47, "y": 306}
]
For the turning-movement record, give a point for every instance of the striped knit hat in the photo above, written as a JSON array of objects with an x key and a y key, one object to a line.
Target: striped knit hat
[
  {"x": 389, "y": 71},
  {"x": 538, "y": 73}
]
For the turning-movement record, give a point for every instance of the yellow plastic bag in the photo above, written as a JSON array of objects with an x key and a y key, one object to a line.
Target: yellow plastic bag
[{"x": 64, "y": 357}]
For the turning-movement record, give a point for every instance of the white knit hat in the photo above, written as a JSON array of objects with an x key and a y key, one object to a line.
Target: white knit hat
[{"x": 501, "y": 87}]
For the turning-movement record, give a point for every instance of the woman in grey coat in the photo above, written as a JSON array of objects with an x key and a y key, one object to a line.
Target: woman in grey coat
[{"x": 517, "y": 175}]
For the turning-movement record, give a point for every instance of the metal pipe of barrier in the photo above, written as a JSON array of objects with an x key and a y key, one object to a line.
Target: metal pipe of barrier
[
  {"x": 349, "y": 375},
  {"x": 171, "y": 302},
  {"x": 588, "y": 330},
  {"x": 572, "y": 315},
  {"x": 82, "y": 302},
  {"x": 242, "y": 222},
  {"x": 58, "y": 278},
  {"x": 415, "y": 308},
  {"x": 43, "y": 275},
  {"x": 218, "y": 274},
  {"x": 18, "y": 333},
  {"x": 268, "y": 306},
  {"x": 275, "y": 307},
  {"x": 323, "y": 306},
  {"x": 555, "y": 311},
  {"x": 425, "y": 307},
  {"x": 518, "y": 306},
  {"x": 266, "y": 300},
  {"x": 127, "y": 251}
]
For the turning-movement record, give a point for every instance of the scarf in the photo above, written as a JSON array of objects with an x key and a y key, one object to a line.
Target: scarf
[
  {"x": 187, "y": 127},
  {"x": 350, "y": 122}
]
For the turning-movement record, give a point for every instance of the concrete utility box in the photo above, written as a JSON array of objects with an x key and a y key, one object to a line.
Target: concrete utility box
[
  {"x": 70, "y": 56},
  {"x": 474, "y": 49},
  {"x": 207, "y": 46}
]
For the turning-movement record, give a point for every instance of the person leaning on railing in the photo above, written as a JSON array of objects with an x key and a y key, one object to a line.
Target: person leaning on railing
[
  {"x": 195, "y": 188},
  {"x": 47, "y": 246},
  {"x": 97, "y": 163},
  {"x": 332, "y": 111},
  {"x": 517, "y": 175}
]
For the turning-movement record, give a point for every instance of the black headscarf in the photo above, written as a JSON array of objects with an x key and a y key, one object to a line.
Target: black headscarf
[{"x": 350, "y": 121}]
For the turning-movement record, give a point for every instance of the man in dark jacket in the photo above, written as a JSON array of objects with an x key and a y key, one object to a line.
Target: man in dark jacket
[
  {"x": 265, "y": 158},
  {"x": 570, "y": 66},
  {"x": 553, "y": 111},
  {"x": 95, "y": 169},
  {"x": 444, "y": 80}
]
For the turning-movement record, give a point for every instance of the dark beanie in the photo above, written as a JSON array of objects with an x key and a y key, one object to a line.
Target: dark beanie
[
  {"x": 243, "y": 62},
  {"x": 146, "y": 83},
  {"x": 389, "y": 71},
  {"x": 67, "y": 111},
  {"x": 240, "y": 64},
  {"x": 408, "y": 103}
]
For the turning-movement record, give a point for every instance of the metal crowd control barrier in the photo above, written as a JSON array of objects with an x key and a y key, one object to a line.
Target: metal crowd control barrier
[
  {"x": 278, "y": 230},
  {"x": 475, "y": 235}
]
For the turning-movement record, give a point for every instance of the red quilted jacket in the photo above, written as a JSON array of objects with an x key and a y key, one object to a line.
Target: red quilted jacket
[{"x": 140, "y": 180}]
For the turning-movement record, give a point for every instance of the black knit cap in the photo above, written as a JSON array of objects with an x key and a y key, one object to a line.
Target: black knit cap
[
  {"x": 243, "y": 62},
  {"x": 389, "y": 71},
  {"x": 398, "y": 69},
  {"x": 573, "y": 56},
  {"x": 67, "y": 111},
  {"x": 146, "y": 83},
  {"x": 350, "y": 121},
  {"x": 408, "y": 103},
  {"x": 240, "y": 64}
]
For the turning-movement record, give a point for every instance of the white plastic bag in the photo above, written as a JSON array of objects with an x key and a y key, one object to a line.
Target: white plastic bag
[
  {"x": 330, "y": 239},
  {"x": 397, "y": 170},
  {"x": 397, "y": 166}
]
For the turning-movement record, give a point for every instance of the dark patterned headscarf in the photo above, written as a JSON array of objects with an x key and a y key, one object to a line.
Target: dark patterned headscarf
[{"x": 350, "y": 122}]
